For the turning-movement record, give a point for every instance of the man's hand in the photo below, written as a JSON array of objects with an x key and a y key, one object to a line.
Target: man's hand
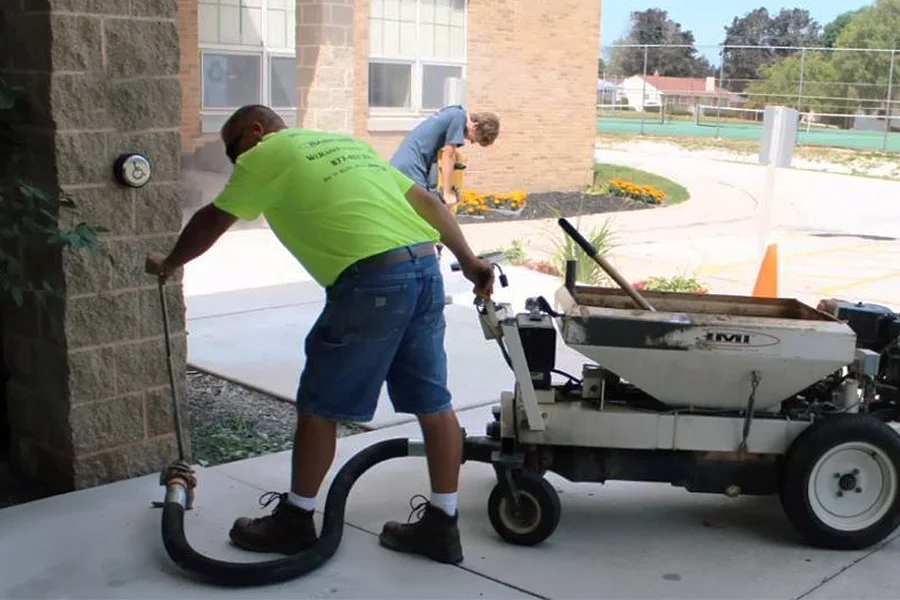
[
  {"x": 481, "y": 273},
  {"x": 449, "y": 197},
  {"x": 829, "y": 305},
  {"x": 155, "y": 264}
]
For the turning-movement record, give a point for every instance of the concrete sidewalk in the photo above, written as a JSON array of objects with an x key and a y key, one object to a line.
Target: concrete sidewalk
[{"x": 619, "y": 540}]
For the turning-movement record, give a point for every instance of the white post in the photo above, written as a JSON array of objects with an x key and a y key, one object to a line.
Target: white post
[{"x": 776, "y": 151}]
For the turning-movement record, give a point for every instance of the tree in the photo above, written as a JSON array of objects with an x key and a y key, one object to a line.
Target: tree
[
  {"x": 780, "y": 83},
  {"x": 833, "y": 30},
  {"x": 877, "y": 27},
  {"x": 654, "y": 27},
  {"x": 789, "y": 28}
]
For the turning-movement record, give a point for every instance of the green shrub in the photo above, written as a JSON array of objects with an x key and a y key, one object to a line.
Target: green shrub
[
  {"x": 587, "y": 270},
  {"x": 29, "y": 214},
  {"x": 680, "y": 284},
  {"x": 515, "y": 252}
]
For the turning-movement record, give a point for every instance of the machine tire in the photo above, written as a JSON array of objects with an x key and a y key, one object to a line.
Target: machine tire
[
  {"x": 841, "y": 483},
  {"x": 540, "y": 505}
]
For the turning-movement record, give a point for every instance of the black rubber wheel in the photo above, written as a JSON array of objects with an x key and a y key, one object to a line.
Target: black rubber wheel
[
  {"x": 493, "y": 430},
  {"x": 841, "y": 482},
  {"x": 538, "y": 516},
  {"x": 495, "y": 410}
]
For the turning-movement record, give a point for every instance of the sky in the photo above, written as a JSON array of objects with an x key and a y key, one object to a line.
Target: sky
[{"x": 708, "y": 18}]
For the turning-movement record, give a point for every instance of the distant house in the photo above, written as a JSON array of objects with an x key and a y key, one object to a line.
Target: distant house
[{"x": 683, "y": 93}]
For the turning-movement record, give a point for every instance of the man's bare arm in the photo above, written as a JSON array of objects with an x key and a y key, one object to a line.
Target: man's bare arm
[
  {"x": 435, "y": 213},
  {"x": 205, "y": 227},
  {"x": 448, "y": 160},
  {"x": 430, "y": 208}
]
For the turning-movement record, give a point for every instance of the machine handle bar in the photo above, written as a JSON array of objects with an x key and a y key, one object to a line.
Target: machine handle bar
[{"x": 488, "y": 256}]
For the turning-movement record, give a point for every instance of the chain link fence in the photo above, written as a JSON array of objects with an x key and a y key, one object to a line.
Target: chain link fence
[{"x": 847, "y": 98}]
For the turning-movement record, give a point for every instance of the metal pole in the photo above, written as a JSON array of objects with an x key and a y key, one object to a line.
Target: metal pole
[
  {"x": 887, "y": 121},
  {"x": 800, "y": 92},
  {"x": 802, "y": 72},
  {"x": 718, "y": 97},
  {"x": 644, "y": 91}
]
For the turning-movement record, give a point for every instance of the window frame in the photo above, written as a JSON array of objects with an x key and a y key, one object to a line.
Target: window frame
[
  {"x": 211, "y": 117},
  {"x": 402, "y": 118}
]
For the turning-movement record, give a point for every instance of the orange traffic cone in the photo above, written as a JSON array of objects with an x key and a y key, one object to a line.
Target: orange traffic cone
[{"x": 767, "y": 279}]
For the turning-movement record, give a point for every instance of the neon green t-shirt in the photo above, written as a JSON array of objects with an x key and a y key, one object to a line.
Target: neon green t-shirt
[{"x": 329, "y": 198}]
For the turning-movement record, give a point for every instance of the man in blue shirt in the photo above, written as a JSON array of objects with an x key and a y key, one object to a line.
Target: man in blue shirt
[{"x": 445, "y": 130}]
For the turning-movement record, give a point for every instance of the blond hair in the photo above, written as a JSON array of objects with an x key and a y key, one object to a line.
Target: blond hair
[{"x": 487, "y": 127}]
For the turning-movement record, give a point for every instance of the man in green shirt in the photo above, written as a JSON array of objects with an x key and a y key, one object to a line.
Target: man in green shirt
[{"x": 367, "y": 234}]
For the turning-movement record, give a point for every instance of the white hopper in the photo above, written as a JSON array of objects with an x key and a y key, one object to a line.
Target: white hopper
[{"x": 701, "y": 350}]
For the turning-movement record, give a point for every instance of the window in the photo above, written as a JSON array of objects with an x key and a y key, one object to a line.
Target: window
[
  {"x": 283, "y": 81},
  {"x": 247, "y": 56},
  {"x": 414, "y": 47},
  {"x": 230, "y": 80}
]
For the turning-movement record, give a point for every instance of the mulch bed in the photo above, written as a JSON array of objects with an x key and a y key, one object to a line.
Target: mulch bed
[{"x": 567, "y": 204}]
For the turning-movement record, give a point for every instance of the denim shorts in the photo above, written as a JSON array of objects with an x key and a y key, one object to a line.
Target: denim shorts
[{"x": 378, "y": 325}]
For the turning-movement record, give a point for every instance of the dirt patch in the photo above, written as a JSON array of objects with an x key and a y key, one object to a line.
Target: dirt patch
[
  {"x": 568, "y": 204},
  {"x": 231, "y": 422}
]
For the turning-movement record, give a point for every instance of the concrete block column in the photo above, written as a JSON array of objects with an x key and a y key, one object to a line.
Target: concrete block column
[
  {"x": 88, "y": 391},
  {"x": 325, "y": 64}
]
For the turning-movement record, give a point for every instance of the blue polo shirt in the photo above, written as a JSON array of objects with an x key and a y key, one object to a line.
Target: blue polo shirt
[{"x": 418, "y": 151}]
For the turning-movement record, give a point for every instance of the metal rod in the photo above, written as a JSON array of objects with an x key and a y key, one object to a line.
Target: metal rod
[
  {"x": 594, "y": 253},
  {"x": 644, "y": 90},
  {"x": 718, "y": 97},
  {"x": 176, "y": 412},
  {"x": 750, "y": 47},
  {"x": 800, "y": 95},
  {"x": 888, "y": 110}
]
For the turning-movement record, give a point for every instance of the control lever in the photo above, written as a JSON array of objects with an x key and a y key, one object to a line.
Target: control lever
[{"x": 591, "y": 251}]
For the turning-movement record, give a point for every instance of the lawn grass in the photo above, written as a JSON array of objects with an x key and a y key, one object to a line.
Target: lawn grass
[{"x": 675, "y": 193}]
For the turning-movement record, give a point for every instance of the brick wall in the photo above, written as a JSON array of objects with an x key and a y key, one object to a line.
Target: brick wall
[
  {"x": 189, "y": 75},
  {"x": 535, "y": 65},
  {"x": 88, "y": 391}
]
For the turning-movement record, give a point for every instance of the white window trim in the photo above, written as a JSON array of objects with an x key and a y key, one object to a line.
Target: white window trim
[
  {"x": 265, "y": 54},
  {"x": 405, "y": 119}
]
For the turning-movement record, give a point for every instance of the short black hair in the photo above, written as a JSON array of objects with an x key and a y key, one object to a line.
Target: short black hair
[{"x": 268, "y": 115}]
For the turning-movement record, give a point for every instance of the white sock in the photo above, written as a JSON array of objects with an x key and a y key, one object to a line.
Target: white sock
[
  {"x": 303, "y": 502},
  {"x": 445, "y": 502}
]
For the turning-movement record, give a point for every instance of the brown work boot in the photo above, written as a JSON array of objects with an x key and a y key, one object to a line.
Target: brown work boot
[
  {"x": 288, "y": 530},
  {"x": 434, "y": 535}
]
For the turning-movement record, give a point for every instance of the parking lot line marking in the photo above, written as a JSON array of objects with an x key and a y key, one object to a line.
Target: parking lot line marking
[
  {"x": 857, "y": 282},
  {"x": 713, "y": 269}
]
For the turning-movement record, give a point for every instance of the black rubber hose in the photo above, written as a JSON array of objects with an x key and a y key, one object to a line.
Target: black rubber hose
[
  {"x": 279, "y": 570},
  {"x": 232, "y": 574}
]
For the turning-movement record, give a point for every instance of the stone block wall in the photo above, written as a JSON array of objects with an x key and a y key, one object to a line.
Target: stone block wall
[
  {"x": 89, "y": 389},
  {"x": 325, "y": 64}
]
